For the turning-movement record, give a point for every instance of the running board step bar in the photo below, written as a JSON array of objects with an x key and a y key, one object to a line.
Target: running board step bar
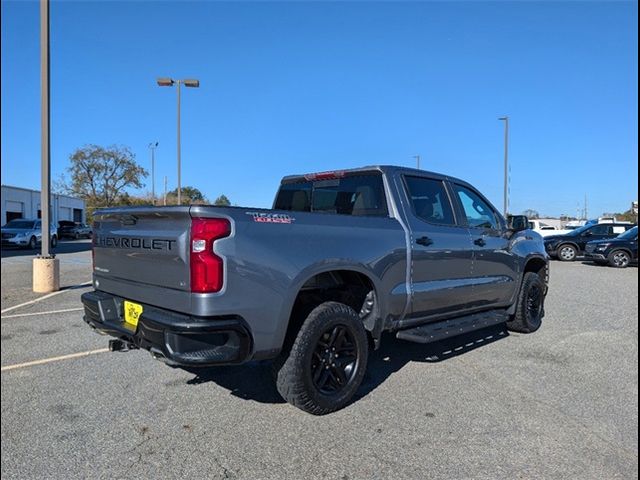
[{"x": 433, "y": 332}]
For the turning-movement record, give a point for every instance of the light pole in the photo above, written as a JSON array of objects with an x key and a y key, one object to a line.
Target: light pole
[
  {"x": 45, "y": 152},
  {"x": 417, "y": 157},
  {"x": 152, "y": 147},
  {"x": 506, "y": 163},
  {"x": 46, "y": 268},
  {"x": 170, "y": 82}
]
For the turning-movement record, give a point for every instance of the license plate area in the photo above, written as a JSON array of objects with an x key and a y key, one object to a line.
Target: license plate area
[{"x": 132, "y": 312}]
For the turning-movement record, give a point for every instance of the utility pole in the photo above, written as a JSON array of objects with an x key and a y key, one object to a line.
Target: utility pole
[
  {"x": 417, "y": 157},
  {"x": 506, "y": 163},
  {"x": 152, "y": 147},
  {"x": 586, "y": 210},
  {"x": 165, "y": 191}
]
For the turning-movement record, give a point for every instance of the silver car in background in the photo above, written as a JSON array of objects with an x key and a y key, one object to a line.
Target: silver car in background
[{"x": 26, "y": 233}]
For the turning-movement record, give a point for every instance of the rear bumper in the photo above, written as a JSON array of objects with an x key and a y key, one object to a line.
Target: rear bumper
[{"x": 176, "y": 339}]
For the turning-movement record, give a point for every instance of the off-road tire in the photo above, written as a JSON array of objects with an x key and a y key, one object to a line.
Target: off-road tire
[
  {"x": 294, "y": 378},
  {"x": 529, "y": 311}
]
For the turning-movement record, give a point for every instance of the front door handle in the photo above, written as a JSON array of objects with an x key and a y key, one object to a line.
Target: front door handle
[
  {"x": 480, "y": 242},
  {"x": 424, "y": 241}
]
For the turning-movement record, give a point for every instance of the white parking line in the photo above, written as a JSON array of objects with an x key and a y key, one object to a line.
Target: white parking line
[
  {"x": 51, "y": 312},
  {"x": 54, "y": 359},
  {"x": 49, "y": 295}
]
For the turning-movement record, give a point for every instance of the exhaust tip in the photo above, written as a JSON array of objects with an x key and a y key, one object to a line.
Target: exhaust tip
[{"x": 118, "y": 345}]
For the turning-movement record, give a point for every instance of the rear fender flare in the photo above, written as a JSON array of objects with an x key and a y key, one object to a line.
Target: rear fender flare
[{"x": 328, "y": 266}]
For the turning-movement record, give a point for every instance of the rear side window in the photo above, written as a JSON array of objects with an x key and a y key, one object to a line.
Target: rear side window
[
  {"x": 359, "y": 195},
  {"x": 601, "y": 230},
  {"x": 430, "y": 200}
]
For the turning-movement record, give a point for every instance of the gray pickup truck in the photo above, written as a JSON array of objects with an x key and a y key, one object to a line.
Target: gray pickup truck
[{"x": 342, "y": 257}]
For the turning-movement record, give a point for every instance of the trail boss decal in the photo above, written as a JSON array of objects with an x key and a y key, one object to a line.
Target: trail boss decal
[{"x": 262, "y": 217}]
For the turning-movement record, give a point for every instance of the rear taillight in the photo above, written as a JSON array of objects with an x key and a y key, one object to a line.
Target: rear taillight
[{"x": 207, "y": 269}]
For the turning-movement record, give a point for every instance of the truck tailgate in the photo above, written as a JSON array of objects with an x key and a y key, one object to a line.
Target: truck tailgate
[{"x": 143, "y": 245}]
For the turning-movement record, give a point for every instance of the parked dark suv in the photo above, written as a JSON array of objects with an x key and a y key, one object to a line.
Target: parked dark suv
[
  {"x": 569, "y": 246},
  {"x": 619, "y": 252},
  {"x": 68, "y": 229}
]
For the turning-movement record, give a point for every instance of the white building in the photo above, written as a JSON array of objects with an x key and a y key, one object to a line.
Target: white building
[{"x": 24, "y": 203}]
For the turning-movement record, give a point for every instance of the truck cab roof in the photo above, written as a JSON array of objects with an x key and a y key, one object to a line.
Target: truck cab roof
[{"x": 385, "y": 169}]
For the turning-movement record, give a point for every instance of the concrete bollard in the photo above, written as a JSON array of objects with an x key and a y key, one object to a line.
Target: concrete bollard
[{"x": 46, "y": 275}]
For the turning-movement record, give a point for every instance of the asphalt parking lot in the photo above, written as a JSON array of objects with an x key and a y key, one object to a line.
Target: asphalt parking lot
[{"x": 560, "y": 403}]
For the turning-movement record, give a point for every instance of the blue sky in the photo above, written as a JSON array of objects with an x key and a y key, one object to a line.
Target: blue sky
[{"x": 299, "y": 87}]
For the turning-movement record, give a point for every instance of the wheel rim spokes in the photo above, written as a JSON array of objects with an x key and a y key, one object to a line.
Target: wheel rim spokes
[
  {"x": 534, "y": 302},
  {"x": 620, "y": 259},
  {"x": 567, "y": 253},
  {"x": 334, "y": 360}
]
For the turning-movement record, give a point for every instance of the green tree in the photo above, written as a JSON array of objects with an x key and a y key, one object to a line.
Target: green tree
[
  {"x": 100, "y": 175},
  {"x": 222, "y": 201},
  {"x": 628, "y": 216},
  {"x": 189, "y": 195}
]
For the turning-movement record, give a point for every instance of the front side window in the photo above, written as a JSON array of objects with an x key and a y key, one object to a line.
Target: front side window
[
  {"x": 429, "y": 200},
  {"x": 478, "y": 212}
]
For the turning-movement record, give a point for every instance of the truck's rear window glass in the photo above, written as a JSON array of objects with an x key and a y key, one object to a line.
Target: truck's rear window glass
[
  {"x": 430, "y": 200},
  {"x": 361, "y": 195},
  {"x": 295, "y": 197}
]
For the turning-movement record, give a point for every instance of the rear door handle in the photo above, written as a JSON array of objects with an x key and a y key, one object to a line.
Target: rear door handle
[
  {"x": 424, "y": 241},
  {"x": 480, "y": 242}
]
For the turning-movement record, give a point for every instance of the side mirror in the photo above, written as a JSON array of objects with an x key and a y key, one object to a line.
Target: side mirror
[
  {"x": 518, "y": 223},
  {"x": 588, "y": 234}
]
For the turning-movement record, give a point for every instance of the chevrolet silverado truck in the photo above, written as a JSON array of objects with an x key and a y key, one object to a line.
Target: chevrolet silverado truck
[{"x": 313, "y": 283}]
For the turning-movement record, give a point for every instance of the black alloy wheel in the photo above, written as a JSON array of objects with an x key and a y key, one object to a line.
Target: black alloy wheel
[
  {"x": 530, "y": 305},
  {"x": 324, "y": 367},
  {"x": 534, "y": 303},
  {"x": 334, "y": 360}
]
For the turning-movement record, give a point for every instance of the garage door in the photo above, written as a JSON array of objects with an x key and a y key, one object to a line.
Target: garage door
[
  {"x": 14, "y": 210},
  {"x": 64, "y": 213}
]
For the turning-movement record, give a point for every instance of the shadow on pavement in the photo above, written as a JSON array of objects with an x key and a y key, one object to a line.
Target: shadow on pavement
[
  {"x": 73, "y": 246},
  {"x": 254, "y": 380},
  {"x": 606, "y": 265}
]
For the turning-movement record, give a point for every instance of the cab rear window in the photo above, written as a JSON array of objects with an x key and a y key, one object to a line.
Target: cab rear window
[{"x": 358, "y": 195}]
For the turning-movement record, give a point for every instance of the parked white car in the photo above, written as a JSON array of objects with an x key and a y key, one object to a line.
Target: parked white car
[
  {"x": 26, "y": 233},
  {"x": 544, "y": 229}
]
